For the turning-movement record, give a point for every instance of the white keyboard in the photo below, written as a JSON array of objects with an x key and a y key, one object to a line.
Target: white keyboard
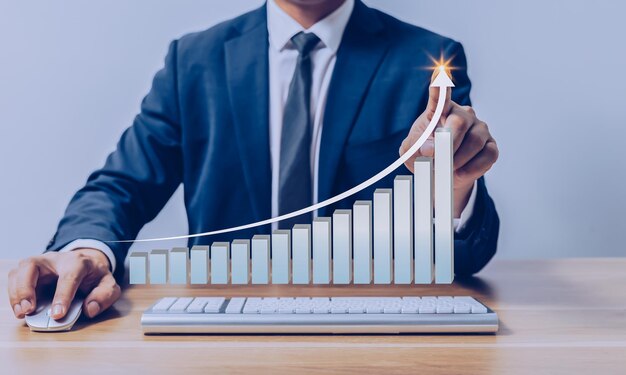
[{"x": 318, "y": 315}]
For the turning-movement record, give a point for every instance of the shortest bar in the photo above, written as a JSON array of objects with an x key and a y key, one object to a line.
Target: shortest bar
[
  {"x": 240, "y": 260},
  {"x": 219, "y": 262},
  {"x": 138, "y": 264},
  {"x": 179, "y": 257},
  {"x": 261, "y": 259},
  {"x": 158, "y": 266},
  {"x": 199, "y": 265}
]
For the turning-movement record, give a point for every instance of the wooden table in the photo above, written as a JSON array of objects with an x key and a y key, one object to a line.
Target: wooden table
[{"x": 557, "y": 316}]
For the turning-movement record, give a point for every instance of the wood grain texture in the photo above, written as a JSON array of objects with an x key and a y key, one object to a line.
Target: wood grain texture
[{"x": 557, "y": 317}]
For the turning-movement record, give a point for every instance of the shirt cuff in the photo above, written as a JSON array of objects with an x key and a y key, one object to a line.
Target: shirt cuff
[
  {"x": 92, "y": 244},
  {"x": 466, "y": 214}
]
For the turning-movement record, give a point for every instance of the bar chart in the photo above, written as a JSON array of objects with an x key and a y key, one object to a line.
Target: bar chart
[{"x": 404, "y": 235}]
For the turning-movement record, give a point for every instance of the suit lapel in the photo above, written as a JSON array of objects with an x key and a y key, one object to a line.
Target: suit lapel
[
  {"x": 361, "y": 52},
  {"x": 246, "y": 59}
]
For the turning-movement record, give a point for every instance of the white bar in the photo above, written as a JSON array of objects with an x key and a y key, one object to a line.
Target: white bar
[
  {"x": 423, "y": 201},
  {"x": 158, "y": 266},
  {"x": 342, "y": 246},
  {"x": 260, "y": 259},
  {"x": 199, "y": 272},
  {"x": 362, "y": 237},
  {"x": 178, "y": 265},
  {"x": 301, "y": 254},
  {"x": 240, "y": 261},
  {"x": 138, "y": 268},
  {"x": 403, "y": 230},
  {"x": 383, "y": 236},
  {"x": 444, "y": 232},
  {"x": 281, "y": 247},
  {"x": 322, "y": 234},
  {"x": 220, "y": 262}
]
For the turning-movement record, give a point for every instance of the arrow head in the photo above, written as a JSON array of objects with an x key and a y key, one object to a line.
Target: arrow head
[{"x": 442, "y": 80}]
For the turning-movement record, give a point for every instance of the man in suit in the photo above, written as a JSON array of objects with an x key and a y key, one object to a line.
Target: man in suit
[{"x": 282, "y": 107}]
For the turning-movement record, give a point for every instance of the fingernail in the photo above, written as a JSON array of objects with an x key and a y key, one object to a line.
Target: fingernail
[
  {"x": 26, "y": 306},
  {"x": 93, "y": 308},
  {"x": 57, "y": 309},
  {"x": 17, "y": 309}
]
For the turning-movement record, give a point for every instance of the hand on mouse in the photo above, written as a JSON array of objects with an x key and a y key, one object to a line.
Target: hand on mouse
[{"x": 86, "y": 270}]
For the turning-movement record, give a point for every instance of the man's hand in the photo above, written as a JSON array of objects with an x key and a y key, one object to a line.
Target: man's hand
[
  {"x": 86, "y": 270},
  {"x": 475, "y": 150}
]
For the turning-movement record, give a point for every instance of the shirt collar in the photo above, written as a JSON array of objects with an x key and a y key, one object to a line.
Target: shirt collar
[{"x": 281, "y": 27}]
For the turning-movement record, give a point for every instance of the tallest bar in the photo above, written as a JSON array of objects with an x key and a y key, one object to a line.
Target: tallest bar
[{"x": 444, "y": 234}]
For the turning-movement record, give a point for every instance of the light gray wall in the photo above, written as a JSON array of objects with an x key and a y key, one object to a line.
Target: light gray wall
[{"x": 548, "y": 78}]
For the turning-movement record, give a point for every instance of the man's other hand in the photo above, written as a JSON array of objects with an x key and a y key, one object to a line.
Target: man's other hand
[{"x": 86, "y": 270}]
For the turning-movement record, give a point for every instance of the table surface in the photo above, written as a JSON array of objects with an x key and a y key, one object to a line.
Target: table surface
[{"x": 557, "y": 316}]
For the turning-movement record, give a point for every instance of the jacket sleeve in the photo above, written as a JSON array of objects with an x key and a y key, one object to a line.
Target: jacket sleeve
[
  {"x": 476, "y": 244},
  {"x": 136, "y": 180}
]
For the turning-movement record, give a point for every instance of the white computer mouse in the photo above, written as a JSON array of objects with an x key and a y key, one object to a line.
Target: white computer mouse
[{"x": 40, "y": 320}]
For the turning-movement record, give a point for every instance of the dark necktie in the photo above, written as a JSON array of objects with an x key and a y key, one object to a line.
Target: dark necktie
[{"x": 295, "y": 144}]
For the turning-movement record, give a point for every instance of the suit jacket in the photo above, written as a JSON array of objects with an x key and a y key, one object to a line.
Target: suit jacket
[{"x": 204, "y": 124}]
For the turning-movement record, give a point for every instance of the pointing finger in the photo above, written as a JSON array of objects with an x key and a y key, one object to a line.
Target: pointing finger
[
  {"x": 67, "y": 285},
  {"x": 433, "y": 95}
]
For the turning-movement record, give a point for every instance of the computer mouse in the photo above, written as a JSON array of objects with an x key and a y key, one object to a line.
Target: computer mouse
[{"x": 40, "y": 320}]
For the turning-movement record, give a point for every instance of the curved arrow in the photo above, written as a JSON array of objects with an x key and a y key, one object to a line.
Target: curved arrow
[{"x": 442, "y": 81}]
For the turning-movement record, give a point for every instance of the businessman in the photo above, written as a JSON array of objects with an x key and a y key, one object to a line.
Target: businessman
[{"x": 282, "y": 107}]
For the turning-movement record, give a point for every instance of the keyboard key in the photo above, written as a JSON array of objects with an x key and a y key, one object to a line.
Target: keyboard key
[
  {"x": 374, "y": 309},
  {"x": 321, "y": 310},
  {"x": 164, "y": 304},
  {"x": 462, "y": 308},
  {"x": 197, "y": 305},
  {"x": 338, "y": 309},
  {"x": 250, "y": 309},
  {"x": 410, "y": 310},
  {"x": 235, "y": 305},
  {"x": 411, "y": 300},
  {"x": 479, "y": 309},
  {"x": 427, "y": 309},
  {"x": 356, "y": 309},
  {"x": 444, "y": 309},
  {"x": 181, "y": 304},
  {"x": 214, "y": 305},
  {"x": 392, "y": 310},
  {"x": 252, "y": 305}
]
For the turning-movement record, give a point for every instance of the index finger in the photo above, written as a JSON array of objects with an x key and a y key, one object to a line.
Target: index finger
[
  {"x": 433, "y": 95},
  {"x": 67, "y": 285}
]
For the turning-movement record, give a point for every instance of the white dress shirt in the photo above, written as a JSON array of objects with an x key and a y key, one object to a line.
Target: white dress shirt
[{"x": 282, "y": 64}]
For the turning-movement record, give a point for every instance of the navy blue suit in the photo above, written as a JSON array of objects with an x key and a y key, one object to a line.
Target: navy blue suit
[{"x": 204, "y": 123}]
